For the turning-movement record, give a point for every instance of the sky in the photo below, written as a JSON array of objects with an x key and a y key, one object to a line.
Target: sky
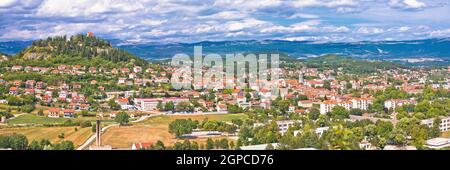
[{"x": 167, "y": 21}]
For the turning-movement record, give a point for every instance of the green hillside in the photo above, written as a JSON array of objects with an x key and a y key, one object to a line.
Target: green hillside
[
  {"x": 78, "y": 49},
  {"x": 349, "y": 65}
]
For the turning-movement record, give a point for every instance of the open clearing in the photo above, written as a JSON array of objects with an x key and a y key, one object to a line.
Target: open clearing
[
  {"x": 50, "y": 133},
  {"x": 34, "y": 119},
  {"x": 156, "y": 128}
]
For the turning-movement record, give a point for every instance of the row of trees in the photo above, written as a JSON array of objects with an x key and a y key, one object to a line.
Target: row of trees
[
  {"x": 341, "y": 134},
  {"x": 20, "y": 142},
  {"x": 179, "y": 127},
  {"x": 180, "y": 107},
  {"x": 188, "y": 145}
]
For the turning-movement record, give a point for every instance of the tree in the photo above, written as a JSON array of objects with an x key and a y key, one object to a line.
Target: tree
[
  {"x": 237, "y": 122},
  {"x": 45, "y": 143},
  {"x": 187, "y": 145},
  {"x": 160, "y": 106},
  {"x": 384, "y": 128},
  {"x": 194, "y": 146},
  {"x": 84, "y": 124},
  {"x": 398, "y": 137},
  {"x": 6, "y": 114},
  {"x": 94, "y": 128},
  {"x": 14, "y": 101},
  {"x": 14, "y": 141},
  {"x": 122, "y": 118},
  {"x": 169, "y": 106},
  {"x": 314, "y": 114},
  {"x": 269, "y": 147},
  {"x": 64, "y": 145},
  {"x": 159, "y": 145},
  {"x": 40, "y": 112},
  {"x": 248, "y": 96},
  {"x": 209, "y": 144},
  {"x": 35, "y": 145},
  {"x": 180, "y": 127},
  {"x": 113, "y": 105},
  {"x": 28, "y": 108},
  {"x": 419, "y": 135},
  {"x": 339, "y": 112},
  {"x": 435, "y": 131},
  {"x": 234, "y": 109},
  {"x": 224, "y": 143},
  {"x": 357, "y": 112},
  {"x": 184, "y": 107}
]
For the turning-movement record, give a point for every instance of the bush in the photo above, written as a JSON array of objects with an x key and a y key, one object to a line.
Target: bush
[
  {"x": 85, "y": 124},
  {"x": 6, "y": 114},
  {"x": 14, "y": 141},
  {"x": 122, "y": 118},
  {"x": 27, "y": 108},
  {"x": 64, "y": 145}
]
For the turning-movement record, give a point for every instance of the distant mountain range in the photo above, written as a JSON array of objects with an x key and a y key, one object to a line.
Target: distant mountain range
[{"x": 413, "y": 52}]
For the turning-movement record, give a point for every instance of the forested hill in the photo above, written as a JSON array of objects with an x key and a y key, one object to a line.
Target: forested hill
[
  {"x": 78, "y": 49},
  {"x": 350, "y": 65}
]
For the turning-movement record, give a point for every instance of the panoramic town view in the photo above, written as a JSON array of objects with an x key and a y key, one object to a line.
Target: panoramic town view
[{"x": 225, "y": 75}]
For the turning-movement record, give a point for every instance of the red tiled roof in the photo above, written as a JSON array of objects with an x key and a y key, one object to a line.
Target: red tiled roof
[{"x": 53, "y": 110}]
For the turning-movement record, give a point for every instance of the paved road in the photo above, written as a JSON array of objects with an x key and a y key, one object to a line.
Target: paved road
[{"x": 93, "y": 137}]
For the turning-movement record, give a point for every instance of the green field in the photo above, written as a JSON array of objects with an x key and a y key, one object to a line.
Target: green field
[
  {"x": 34, "y": 119},
  {"x": 40, "y": 120}
]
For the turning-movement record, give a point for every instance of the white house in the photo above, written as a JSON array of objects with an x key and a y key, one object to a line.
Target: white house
[
  {"x": 394, "y": 103},
  {"x": 149, "y": 104}
]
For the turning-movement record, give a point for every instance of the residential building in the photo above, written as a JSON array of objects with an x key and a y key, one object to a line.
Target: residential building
[
  {"x": 68, "y": 113},
  {"x": 394, "y": 103},
  {"x": 53, "y": 112},
  {"x": 443, "y": 126},
  {"x": 149, "y": 104}
]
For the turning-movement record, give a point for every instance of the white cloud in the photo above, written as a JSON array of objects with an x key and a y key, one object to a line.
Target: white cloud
[
  {"x": 324, "y": 3},
  {"x": 151, "y": 22},
  {"x": 246, "y": 4},
  {"x": 440, "y": 33},
  {"x": 370, "y": 30},
  {"x": 334, "y": 29},
  {"x": 403, "y": 29},
  {"x": 239, "y": 25},
  {"x": 305, "y": 26},
  {"x": 303, "y": 15},
  {"x": 86, "y": 7},
  {"x": 407, "y": 4},
  {"x": 7, "y": 3},
  {"x": 189, "y": 20},
  {"x": 224, "y": 15}
]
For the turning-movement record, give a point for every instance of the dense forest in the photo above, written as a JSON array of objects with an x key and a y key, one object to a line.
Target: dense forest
[
  {"x": 350, "y": 65},
  {"x": 78, "y": 49}
]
